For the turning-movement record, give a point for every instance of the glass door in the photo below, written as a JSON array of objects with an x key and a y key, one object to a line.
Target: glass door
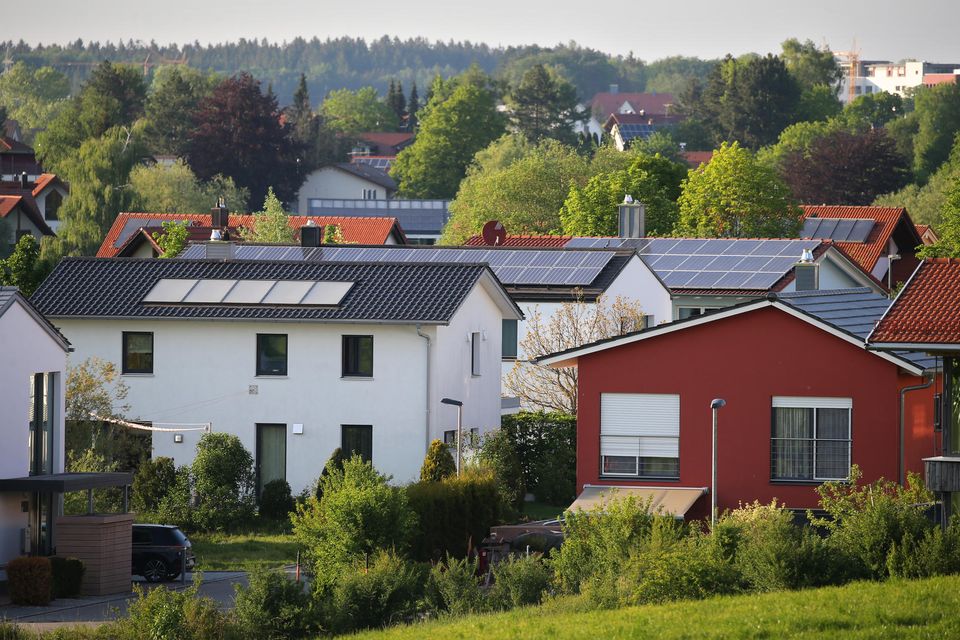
[{"x": 271, "y": 454}]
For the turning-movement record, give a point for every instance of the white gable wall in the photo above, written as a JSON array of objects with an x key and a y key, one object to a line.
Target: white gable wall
[{"x": 330, "y": 182}]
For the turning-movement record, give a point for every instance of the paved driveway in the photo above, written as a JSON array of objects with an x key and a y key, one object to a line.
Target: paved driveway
[{"x": 217, "y": 585}]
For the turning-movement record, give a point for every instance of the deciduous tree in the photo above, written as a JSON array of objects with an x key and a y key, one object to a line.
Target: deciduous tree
[
  {"x": 352, "y": 112},
  {"x": 572, "y": 325},
  {"x": 23, "y": 268},
  {"x": 175, "y": 189},
  {"x": 544, "y": 105},
  {"x": 271, "y": 225},
  {"x": 32, "y": 96},
  {"x": 171, "y": 106},
  {"x": 734, "y": 195},
  {"x": 949, "y": 229},
  {"x": 937, "y": 111}
]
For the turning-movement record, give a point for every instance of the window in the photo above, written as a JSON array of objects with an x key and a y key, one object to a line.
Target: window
[
  {"x": 450, "y": 437},
  {"x": 369, "y": 194},
  {"x": 810, "y": 439},
  {"x": 271, "y": 354},
  {"x": 509, "y": 351},
  {"x": 357, "y": 439},
  {"x": 357, "y": 357},
  {"x": 137, "y": 352},
  {"x": 951, "y": 392},
  {"x": 640, "y": 435},
  {"x": 690, "y": 312},
  {"x": 52, "y": 205},
  {"x": 475, "y": 354},
  {"x": 43, "y": 387}
]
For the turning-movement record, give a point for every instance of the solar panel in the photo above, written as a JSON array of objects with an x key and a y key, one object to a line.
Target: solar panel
[{"x": 839, "y": 229}]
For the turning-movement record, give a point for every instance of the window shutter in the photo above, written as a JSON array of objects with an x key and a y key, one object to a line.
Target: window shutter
[
  {"x": 812, "y": 403},
  {"x": 635, "y": 424}
]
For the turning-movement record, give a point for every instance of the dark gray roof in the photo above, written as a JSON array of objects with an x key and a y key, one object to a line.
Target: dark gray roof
[
  {"x": 7, "y": 297},
  {"x": 855, "y": 311},
  {"x": 368, "y": 172},
  {"x": 556, "y": 269},
  {"x": 384, "y": 292},
  {"x": 417, "y": 217}
]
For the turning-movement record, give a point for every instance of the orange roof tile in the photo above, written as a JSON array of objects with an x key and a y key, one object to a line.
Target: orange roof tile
[
  {"x": 927, "y": 311},
  {"x": 8, "y": 204},
  {"x": 43, "y": 181},
  {"x": 546, "y": 241},
  {"x": 866, "y": 254},
  {"x": 371, "y": 231}
]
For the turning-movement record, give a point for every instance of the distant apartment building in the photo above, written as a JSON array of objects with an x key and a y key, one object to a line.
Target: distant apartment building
[{"x": 875, "y": 76}]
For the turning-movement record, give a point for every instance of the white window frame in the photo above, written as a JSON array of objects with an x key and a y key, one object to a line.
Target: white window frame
[
  {"x": 634, "y": 428},
  {"x": 802, "y": 402}
]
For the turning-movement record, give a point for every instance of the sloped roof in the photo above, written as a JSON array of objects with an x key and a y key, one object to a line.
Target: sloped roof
[
  {"x": 360, "y": 230},
  {"x": 543, "y": 241},
  {"x": 384, "y": 292},
  {"x": 926, "y": 313},
  {"x": 369, "y": 173},
  {"x": 387, "y": 141},
  {"x": 44, "y": 180},
  {"x": 29, "y": 207},
  {"x": 886, "y": 220},
  {"x": 697, "y": 158},
  {"x": 9, "y": 145},
  {"x": 605, "y": 103},
  {"x": 10, "y": 295}
]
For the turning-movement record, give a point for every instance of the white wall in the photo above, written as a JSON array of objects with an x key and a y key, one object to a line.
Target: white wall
[
  {"x": 25, "y": 349},
  {"x": 330, "y": 182},
  {"x": 41, "y": 201},
  {"x": 203, "y": 371}
]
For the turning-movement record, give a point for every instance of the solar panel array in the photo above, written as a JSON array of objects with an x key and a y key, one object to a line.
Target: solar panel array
[
  {"x": 839, "y": 229},
  {"x": 247, "y": 292},
  {"x": 629, "y": 131},
  {"x": 377, "y": 162},
  {"x": 512, "y": 266},
  {"x": 684, "y": 263}
]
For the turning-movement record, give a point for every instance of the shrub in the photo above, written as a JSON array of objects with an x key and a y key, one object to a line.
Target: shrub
[
  {"x": 519, "y": 581},
  {"x": 438, "y": 463},
  {"x": 66, "y": 576},
  {"x": 29, "y": 581},
  {"x": 546, "y": 445},
  {"x": 273, "y": 607},
  {"x": 769, "y": 554},
  {"x": 177, "y": 506},
  {"x": 453, "y": 588},
  {"x": 335, "y": 462},
  {"x": 498, "y": 453},
  {"x": 358, "y": 514},
  {"x": 153, "y": 481},
  {"x": 384, "y": 593},
  {"x": 676, "y": 567},
  {"x": 598, "y": 542},
  {"x": 866, "y": 521},
  {"x": 276, "y": 503},
  {"x": 454, "y": 514},
  {"x": 162, "y": 614},
  {"x": 936, "y": 553},
  {"x": 223, "y": 480}
]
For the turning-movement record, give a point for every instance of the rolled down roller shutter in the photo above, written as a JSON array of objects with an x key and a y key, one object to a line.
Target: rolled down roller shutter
[{"x": 640, "y": 424}]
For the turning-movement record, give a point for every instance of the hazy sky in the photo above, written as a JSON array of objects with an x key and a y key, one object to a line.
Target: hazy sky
[{"x": 884, "y": 29}]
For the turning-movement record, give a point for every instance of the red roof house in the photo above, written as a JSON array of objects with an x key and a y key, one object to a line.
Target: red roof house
[
  {"x": 804, "y": 399},
  {"x": 131, "y": 233}
]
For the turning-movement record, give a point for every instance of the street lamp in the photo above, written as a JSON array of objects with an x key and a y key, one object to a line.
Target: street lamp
[
  {"x": 715, "y": 405},
  {"x": 459, "y": 406}
]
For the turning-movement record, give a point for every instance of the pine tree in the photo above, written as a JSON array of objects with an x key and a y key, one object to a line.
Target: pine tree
[
  {"x": 413, "y": 106},
  {"x": 400, "y": 106}
]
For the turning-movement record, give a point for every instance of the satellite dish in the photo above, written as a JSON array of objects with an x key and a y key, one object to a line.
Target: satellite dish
[{"x": 494, "y": 233}]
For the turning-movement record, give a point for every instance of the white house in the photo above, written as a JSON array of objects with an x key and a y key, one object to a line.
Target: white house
[
  {"x": 33, "y": 358},
  {"x": 296, "y": 358},
  {"x": 875, "y": 76},
  {"x": 345, "y": 181}
]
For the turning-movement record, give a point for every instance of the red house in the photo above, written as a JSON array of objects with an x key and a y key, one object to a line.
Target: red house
[{"x": 804, "y": 401}]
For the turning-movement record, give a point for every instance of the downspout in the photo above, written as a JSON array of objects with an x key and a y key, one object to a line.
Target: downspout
[
  {"x": 426, "y": 408},
  {"x": 901, "y": 470}
]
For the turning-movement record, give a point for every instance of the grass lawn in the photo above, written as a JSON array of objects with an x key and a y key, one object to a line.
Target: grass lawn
[
  {"x": 895, "y": 609},
  {"x": 541, "y": 510},
  {"x": 234, "y": 552}
]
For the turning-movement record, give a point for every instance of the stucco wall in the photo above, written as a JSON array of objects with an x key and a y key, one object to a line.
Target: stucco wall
[
  {"x": 748, "y": 359},
  {"x": 334, "y": 183}
]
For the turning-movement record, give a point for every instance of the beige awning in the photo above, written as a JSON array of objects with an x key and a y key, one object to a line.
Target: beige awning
[{"x": 674, "y": 501}]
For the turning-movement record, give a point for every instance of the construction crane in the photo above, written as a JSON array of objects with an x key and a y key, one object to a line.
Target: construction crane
[
  {"x": 162, "y": 61},
  {"x": 851, "y": 60}
]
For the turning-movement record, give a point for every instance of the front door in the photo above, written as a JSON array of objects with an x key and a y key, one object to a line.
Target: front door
[{"x": 271, "y": 454}]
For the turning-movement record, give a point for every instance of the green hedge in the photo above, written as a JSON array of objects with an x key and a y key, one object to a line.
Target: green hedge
[
  {"x": 67, "y": 576},
  {"x": 547, "y": 446},
  {"x": 29, "y": 581},
  {"x": 453, "y": 514}
]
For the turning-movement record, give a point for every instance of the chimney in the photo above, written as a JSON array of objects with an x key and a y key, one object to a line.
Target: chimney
[
  {"x": 219, "y": 250},
  {"x": 614, "y": 89},
  {"x": 310, "y": 234},
  {"x": 220, "y": 215},
  {"x": 807, "y": 272},
  {"x": 632, "y": 218},
  {"x": 24, "y": 181}
]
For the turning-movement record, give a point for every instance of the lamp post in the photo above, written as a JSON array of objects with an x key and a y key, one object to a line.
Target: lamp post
[
  {"x": 715, "y": 406},
  {"x": 459, "y": 406}
]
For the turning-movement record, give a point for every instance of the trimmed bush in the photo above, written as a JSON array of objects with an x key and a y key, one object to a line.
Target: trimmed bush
[
  {"x": 546, "y": 444},
  {"x": 358, "y": 515},
  {"x": 453, "y": 588},
  {"x": 519, "y": 581},
  {"x": 66, "y": 576},
  {"x": 455, "y": 514},
  {"x": 384, "y": 593},
  {"x": 29, "y": 581},
  {"x": 438, "y": 463},
  {"x": 223, "y": 480},
  {"x": 274, "y": 607},
  {"x": 154, "y": 480},
  {"x": 498, "y": 453},
  {"x": 276, "y": 503}
]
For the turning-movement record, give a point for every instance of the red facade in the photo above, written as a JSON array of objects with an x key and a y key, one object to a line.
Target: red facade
[{"x": 747, "y": 359}]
